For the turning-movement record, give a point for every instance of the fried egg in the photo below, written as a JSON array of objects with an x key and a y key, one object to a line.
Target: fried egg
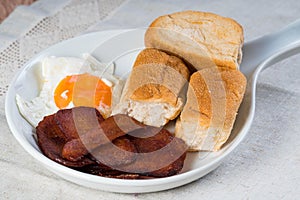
[{"x": 67, "y": 82}]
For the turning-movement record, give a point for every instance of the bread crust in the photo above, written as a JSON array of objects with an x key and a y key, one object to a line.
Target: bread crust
[
  {"x": 158, "y": 91},
  {"x": 158, "y": 80},
  {"x": 202, "y": 39},
  {"x": 213, "y": 99}
]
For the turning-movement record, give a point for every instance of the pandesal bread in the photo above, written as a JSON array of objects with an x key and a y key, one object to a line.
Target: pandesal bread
[
  {"x": 155, "y": 90},
  {"x": 202, "y": 39},
  {"x": 213, "y": 99}
]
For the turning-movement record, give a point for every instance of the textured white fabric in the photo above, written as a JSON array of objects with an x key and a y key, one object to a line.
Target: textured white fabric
[{"x": 264, "y": 166}]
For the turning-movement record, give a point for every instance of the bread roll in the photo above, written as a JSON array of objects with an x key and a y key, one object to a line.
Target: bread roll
[
  {"x": 201, "y": 39},
  {"x": 213, "y": 99},
  {"x": 154, "y": 92}
]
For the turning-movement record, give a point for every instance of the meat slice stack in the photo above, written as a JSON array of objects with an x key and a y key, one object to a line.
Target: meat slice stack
[{"x": 117, "y": 147}]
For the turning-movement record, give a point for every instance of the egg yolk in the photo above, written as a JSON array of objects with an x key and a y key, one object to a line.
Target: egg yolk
[{"x": 82, "y": 90}]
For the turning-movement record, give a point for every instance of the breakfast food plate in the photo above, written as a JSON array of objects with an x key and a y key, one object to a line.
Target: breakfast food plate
[
  {"x": 121, "y": 47},
  {"x": 26, "y": 85}
]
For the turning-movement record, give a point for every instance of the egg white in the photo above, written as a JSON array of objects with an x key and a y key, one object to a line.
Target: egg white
[{"x": 54, "y": 69}]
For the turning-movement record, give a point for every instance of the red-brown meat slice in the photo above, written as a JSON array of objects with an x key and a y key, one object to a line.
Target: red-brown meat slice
[
  {"x": 120, "y": 146},
  {"x": 77, "y": 121},
  {"x": 51, "y": 141},
  {"x": 120, "y": 152},
  {"x": 160, "y": 155},
  {"x": 110, "y": 129}
]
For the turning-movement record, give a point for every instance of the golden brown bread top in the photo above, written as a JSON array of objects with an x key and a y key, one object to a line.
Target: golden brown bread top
[
  {"x": 202, "y": 105},
  {"x": 203, "y": 85},
  {"x": 235, "y": 84},
  {"x": 160, "y": 69},
  {"x": 200, "y": 38},
  {"x": 155, "y": 56},
  {"x": 213, "y": 99}
]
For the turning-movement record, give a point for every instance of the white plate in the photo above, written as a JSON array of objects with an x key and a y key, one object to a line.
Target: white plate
[{"x": 104, "y": 45}]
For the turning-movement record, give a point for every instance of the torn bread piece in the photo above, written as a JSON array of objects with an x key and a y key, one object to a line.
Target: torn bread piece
[
  {"x": 154, "y": 93},
  {"x": 201, "y": 39},
  {"x": 213, "y": 99}
]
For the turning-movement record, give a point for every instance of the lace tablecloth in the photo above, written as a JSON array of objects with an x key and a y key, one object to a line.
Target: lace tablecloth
[{"x": 264, "y": 166}]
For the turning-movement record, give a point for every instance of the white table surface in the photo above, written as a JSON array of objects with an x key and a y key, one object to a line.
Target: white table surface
[{"x": 266, "y": 165}]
